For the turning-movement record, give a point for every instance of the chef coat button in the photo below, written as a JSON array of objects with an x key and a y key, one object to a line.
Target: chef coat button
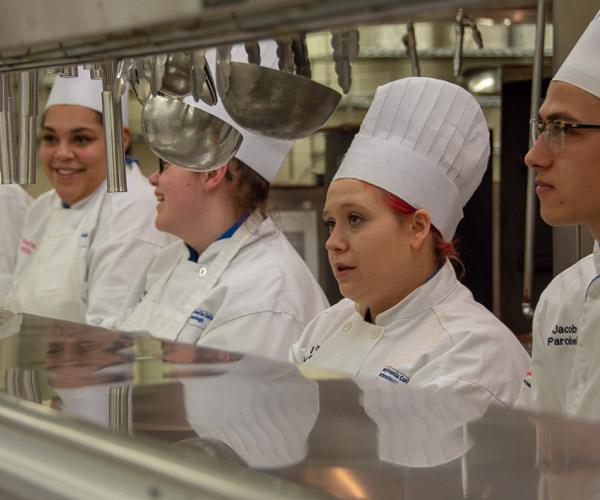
[
  {"x": 202, "y": 271},
  {"x": 376, "y": 333},
  {"x": 347, "y": 326},
  {"x": 593, "y": 292},
  {"x": 97, "y": 321}
]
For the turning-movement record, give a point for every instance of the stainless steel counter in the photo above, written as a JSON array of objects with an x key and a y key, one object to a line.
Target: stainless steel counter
[{"x": 90, "y": 413}]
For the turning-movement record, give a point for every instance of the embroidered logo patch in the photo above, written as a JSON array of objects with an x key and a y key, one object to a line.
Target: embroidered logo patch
[
  {"x": 200, "y": 318},
  {"x": 392, "y": 375}
]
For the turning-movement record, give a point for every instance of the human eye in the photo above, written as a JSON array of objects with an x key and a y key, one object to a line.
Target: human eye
[
  {"x": 329, "y": 225},
  {"x": 82, "y": 139},
  {"x": 48, "y": 138},
  {"x": 355, "y": 219}
]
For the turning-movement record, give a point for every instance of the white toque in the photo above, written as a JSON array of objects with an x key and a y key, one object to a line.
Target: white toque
[
  {"x": 81, "y": 91},
  {"x": 581, "y": 67},
  {"x": 425, "y": 141}
]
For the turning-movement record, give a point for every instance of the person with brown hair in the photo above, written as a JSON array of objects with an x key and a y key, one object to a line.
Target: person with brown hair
[{"x": 235, "y": 282}]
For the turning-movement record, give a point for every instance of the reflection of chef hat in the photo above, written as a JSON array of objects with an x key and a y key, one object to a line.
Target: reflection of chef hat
[
  {"x": 425, "y": 141},
  {"x": 580, "y": 68},
  {"x": 81, "y": 91},
  {"x": 263, "y": 154},
  {"x": 263, "y": 411}
]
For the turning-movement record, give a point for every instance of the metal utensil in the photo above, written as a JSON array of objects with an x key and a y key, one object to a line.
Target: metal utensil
[
  {"x": 176, "y": 80},
  {"x": 157, "y": 73},
  {"x": 253, "y": 52},
  {"x": 116, "y": 180},
  {"x": 139, "y": 79},
  {"x": 301, "y": 60},
  {"x": 186, "y": 136},
  {"x": 411, "y": 48},
  {"x": 270, "y": 102},
  {"x": 345, "y": 51},
  {"x": 203, "y": 86},
  {"x": 8, "y": 144},
  {"x": 124, "y": 67},
  {"x": 28, "y": 111},
  {"x": 286, "y": 55}
]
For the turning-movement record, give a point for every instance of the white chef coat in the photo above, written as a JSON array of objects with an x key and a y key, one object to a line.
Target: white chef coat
[
  {"x": 14, "y": 202},
  {"x": 78, "y": 263},
  {"x": 263, "y": 411},
  {"x": 438, "y": 337},
  {"x": 262, "y": 298},
  {"x": 565, "y": 373}
]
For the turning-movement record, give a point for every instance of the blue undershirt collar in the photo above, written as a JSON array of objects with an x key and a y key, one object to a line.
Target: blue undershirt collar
[
  {"x": 436, "y": 271},
  {"x": 194, "y": 256}
]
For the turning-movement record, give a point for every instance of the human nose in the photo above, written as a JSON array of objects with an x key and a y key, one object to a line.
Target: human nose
[
  {"x": 63, "y": 151},
  {"x": 154, "y": 178},
  {"x": 538, "y": 155},
  {"x": 336, "y": 241}
]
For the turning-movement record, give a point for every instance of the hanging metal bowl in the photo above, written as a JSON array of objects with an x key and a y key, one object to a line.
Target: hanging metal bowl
[
  {"x": 186, "y": 136},
  {"x": 274, "y": 103}
]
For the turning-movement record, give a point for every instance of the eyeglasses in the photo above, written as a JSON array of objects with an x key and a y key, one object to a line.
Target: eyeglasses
[
  {"x": 162, "y": 165},
  {"x": 554, "y": 132}
]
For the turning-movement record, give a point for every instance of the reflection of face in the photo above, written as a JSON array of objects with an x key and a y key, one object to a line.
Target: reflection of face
[
  {"x": 569, "y": 182},
  {"x": 72, "y": 151},
  {"x": 368, "y": 245},
  {"x": 180, "y": 353},
  {"x": 74, "y": 356},
  {"x": 179, "y": 198}
]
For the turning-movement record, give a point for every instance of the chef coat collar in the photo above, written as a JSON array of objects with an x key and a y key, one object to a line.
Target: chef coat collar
[
  {"x": 437, "y": 288},
  {"x": 194, "y": 255},
  {"x": 367, "y": 314},
  {"x": 233, "y": 228}
]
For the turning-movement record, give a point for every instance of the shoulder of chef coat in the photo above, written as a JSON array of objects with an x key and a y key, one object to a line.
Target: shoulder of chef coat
[
  {"x": 14, "y": 196},
  {"x": 41, "y": 210},
  {"x": 327, "y": 322},
  {"x": 271, "y": 275}
]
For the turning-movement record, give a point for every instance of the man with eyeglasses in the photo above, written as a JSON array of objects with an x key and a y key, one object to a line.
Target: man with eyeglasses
[{"x": 565, "y": 373}]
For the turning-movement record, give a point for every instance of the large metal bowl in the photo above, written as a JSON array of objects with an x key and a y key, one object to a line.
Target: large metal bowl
[
  {"x": 274, "y": 103},
  {"x": 186, "y": 136}
]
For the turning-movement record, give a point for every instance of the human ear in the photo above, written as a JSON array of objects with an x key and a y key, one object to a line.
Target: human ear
[
  {"x": 214, "y": 178},
  {"x": 420, "y": 226}
]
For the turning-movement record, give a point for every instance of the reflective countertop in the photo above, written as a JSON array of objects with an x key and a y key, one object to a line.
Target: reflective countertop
[{"x": 279, "y": 426}]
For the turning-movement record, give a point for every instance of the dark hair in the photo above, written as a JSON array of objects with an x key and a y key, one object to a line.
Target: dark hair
[
  {"x": 252, "y": 191},
  {"x": 443, "y": 249}
]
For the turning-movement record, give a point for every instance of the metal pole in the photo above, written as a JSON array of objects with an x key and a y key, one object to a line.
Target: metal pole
[{"x": 530, "y": 207}]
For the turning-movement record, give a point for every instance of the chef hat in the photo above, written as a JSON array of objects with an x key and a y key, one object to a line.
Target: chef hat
[
  {"x": 264, "y": 155},
  {"x": 425, "y": 141},
  {"x": 580, "y": 67},
  {"x": 81, "y": 91}
]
